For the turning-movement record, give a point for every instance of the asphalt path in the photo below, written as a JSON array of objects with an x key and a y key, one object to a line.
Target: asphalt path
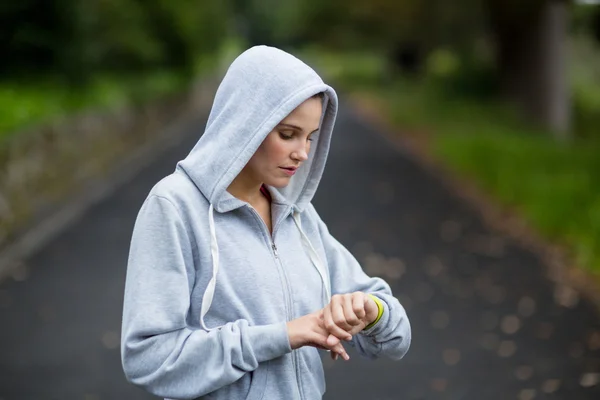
[{"x": 486, "y": 322}]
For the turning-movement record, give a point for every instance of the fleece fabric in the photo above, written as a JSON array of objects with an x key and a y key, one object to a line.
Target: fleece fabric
[{"x": 209, "y": 289}]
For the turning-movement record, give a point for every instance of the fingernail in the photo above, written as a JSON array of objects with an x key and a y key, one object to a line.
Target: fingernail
[{"x": 346, "y": 357}]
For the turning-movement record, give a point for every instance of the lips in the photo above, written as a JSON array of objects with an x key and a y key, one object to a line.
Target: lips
[{"x": 289, "y": 170}]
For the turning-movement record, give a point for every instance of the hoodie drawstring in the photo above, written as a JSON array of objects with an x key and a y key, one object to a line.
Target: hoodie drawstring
[
  {"x": 314, "y": 257},
  {"x": 209, "y": 294},
  {"x": 207, "y": 298}
]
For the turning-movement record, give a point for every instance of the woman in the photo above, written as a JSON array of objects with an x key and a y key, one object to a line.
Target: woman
[{"x": 231, "y": 271}]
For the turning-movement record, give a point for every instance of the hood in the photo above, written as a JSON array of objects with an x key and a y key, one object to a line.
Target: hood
[{"x": 261, "y": 87}]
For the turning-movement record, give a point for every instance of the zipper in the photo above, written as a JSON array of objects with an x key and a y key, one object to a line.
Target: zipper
[
  {"x": 287, "y": 291},
  {"x": 290, "y": 307}
]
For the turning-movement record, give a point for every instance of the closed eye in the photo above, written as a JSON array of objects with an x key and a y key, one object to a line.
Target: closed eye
[{"x": 289, "y": 135}]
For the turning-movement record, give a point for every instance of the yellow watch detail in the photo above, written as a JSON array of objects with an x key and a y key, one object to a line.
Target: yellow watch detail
[{"x": 379, "y": 311}]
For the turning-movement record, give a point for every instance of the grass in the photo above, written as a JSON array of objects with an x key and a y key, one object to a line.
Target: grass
[
  {"x": 25, "y": 105},
  {"x": 585, "y": 82},
  {"x": 556, "y": 187}
]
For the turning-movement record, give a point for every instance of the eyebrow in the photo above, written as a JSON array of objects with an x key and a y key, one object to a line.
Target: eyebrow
[{"x": 295, "y": 127}]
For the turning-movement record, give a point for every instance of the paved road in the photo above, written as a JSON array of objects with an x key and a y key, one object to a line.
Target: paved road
[{"x": 485, "y": 322}]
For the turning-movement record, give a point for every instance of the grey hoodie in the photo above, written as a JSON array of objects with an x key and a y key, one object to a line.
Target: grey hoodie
[{"x": 209, "y": 290}]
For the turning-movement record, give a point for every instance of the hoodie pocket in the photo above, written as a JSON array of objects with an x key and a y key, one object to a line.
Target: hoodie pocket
[
  {"x": 313, "y": 376},
  {"x": 258, "y": 382}
]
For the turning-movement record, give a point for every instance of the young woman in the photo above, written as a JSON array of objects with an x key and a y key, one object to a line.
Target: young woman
[{"x": 233, "y": 280}]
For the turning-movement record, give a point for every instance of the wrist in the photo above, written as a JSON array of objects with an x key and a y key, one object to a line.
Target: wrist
[
  {"x": 374, "y": 312},
  {"x": 292, "y": 335}
]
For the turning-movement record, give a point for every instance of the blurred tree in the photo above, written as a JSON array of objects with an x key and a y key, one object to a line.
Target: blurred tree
[
  {"x": 255, "y": 20},
  {"x": 527, "y": 39},
  {"x": 595, "y": 23},
  {"x": 187, "y": 29},
  {"x": 29, "y": 33},
  {"x": 79, "y": 39},
  {"x": 530, "y": 40},
  {"x": 139, "y": 35},
  {"x": 116, "y": 35},
  {"x": 585, "y": 19},
  {"x": 76, "y": 40},
  {"x": 393, "y": 27}
]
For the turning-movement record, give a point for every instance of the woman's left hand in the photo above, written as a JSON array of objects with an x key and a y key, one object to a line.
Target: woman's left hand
[{"x": 348, "y": 314}]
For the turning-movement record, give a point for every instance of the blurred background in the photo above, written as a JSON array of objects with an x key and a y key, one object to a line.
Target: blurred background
[
  {"x": 506, "y": 91},
  {"x": 503, "y": 93}
]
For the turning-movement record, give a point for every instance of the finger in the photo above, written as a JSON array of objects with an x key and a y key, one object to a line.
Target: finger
[
  {"x": 337, "y": 312},
  {"x": 351, "y": 318},
  {"x": 332, "y": 340},
  {"x": 320, "y": 314},
  {"x": 358, "y": 328},
  {"x": 358, "y": 304},
  {"x": 334, "y": 355},
  {"x": 339, "y": 349},
  {"x": 331, "y": 327},
  {"x": 319, "y": 340}
]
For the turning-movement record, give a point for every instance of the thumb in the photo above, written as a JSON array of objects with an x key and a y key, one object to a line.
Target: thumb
[{"x": 332, "y": 340}]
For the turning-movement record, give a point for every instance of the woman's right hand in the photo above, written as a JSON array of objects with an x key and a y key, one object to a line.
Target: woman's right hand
[{"x": 310, "y": 330}]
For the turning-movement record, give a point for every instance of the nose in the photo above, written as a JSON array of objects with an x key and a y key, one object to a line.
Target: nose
[{"x": 300, "y": 154}]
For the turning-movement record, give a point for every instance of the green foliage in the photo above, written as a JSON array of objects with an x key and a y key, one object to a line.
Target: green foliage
[
  {"x": 22, "y": 106},
  {"x": 585, "y": 85},
  {"x": 585, "y": 19},
  {"x": 351, "y": 69},
  {"x": 555, "y": 186},
  {"x": 442, "y": 63},
  {"x": 76, "y": 40},
  {"x": 25, "y": 105},
  {"x": 384, "y": 25},
  {"x": 65, "y": 56}
]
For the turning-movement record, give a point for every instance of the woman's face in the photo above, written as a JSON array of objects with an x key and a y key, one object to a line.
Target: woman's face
[{"x": 286, "y": 147}]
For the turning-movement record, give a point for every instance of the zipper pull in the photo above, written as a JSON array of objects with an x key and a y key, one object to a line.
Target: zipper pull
[{"x": 274, "y": 250}]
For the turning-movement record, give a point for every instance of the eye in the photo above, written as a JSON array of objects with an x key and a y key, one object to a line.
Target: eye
[{"x": 286, "y": 136}]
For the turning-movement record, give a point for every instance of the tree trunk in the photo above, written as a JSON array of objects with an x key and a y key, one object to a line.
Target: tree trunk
[
  {"x": 532, "y": 59},
  {"x": 556, "y": 107}
]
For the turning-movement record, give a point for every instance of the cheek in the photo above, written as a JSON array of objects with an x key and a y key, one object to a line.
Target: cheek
[
  {"x": 274, "y": 150},
  {"x": 267, "y": 155}
]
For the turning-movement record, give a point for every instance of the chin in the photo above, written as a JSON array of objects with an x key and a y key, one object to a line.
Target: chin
[{"x": 278, "y": 183}]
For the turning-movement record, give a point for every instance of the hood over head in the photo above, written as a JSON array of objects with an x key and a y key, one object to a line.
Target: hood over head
[{"x": 261, "y": 87}]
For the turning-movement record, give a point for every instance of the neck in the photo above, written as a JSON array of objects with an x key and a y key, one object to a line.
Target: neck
[{"x": 245, "y": 189}]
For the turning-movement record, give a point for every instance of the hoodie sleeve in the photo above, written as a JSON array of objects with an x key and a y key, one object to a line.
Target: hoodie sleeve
[
  {"x": 159, "y": 351},
  {"x": 391, "y": 335}
]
